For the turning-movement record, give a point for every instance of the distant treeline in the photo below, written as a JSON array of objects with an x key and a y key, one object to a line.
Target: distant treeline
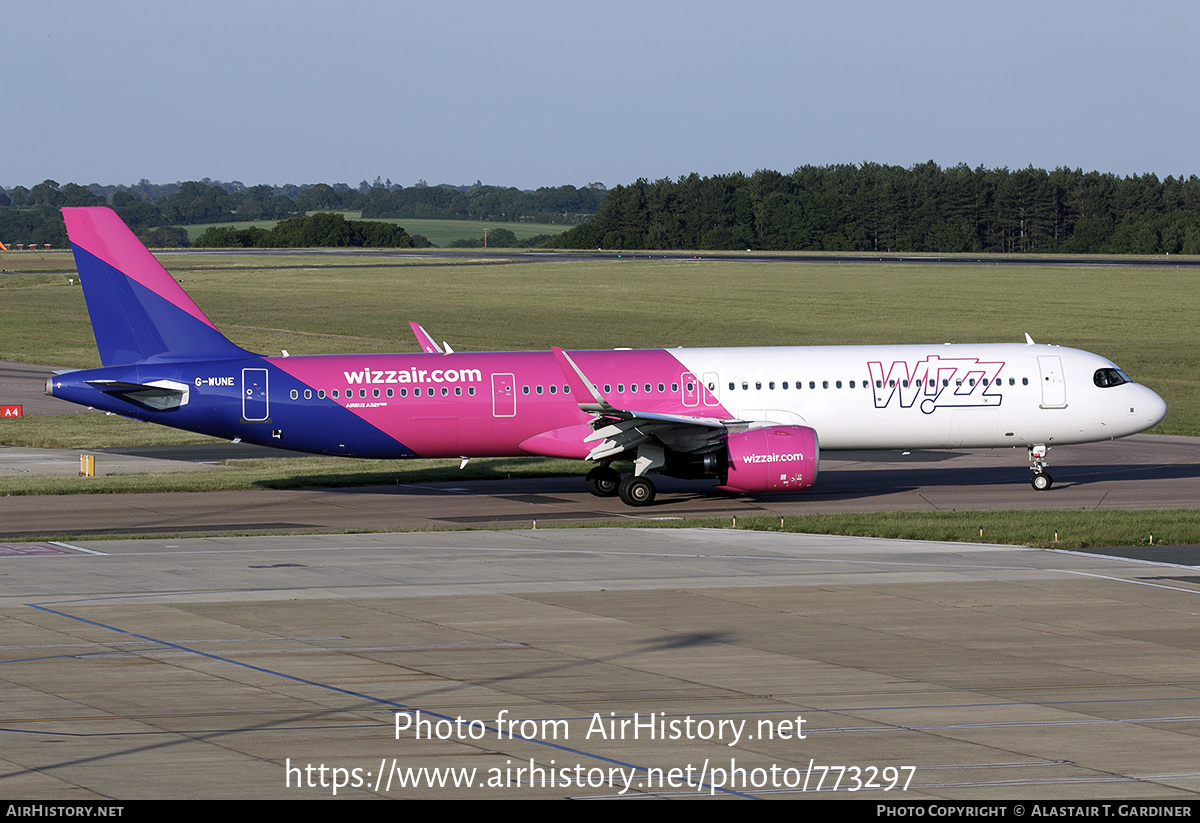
[
  {"x": 871, "y": 208},
  {"x": 891, "y": 209},
  {"x": 31, "y": 215},
  {"x": 316, "y": 230}
]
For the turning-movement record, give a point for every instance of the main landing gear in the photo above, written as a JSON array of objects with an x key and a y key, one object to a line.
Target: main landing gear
[
  {"x": 1041, "y": 478},
  {"x": 603, "y": 481},
  {"x": 634, "y": 490}
]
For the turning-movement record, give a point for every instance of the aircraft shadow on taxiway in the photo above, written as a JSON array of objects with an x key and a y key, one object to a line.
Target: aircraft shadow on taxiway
[
  {"x": 833, "y": 484},
  {"x": 854, "y": 483}
]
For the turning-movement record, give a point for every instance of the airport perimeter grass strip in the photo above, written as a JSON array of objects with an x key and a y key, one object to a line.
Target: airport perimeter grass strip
[{"x": 1071, "y": 530}]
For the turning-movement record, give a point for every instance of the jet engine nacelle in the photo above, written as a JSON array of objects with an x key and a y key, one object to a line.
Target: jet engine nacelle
[{"x": 772, "y": 459}]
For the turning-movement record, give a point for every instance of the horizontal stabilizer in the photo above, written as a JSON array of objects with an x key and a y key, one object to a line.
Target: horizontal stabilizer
[{"x": 160, "y": 395}]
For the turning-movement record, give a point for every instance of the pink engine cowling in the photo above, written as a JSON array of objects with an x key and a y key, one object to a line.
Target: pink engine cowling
[{"x": 772, "y": 459}]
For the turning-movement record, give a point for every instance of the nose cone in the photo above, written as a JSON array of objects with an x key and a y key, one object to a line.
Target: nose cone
[{"x": 1151, "y": 408}]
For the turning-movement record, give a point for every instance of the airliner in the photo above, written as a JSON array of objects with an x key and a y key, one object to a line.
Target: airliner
[{"x": 755, "y": 420}]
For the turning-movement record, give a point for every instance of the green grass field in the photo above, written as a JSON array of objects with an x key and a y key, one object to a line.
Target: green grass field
[
  {"x": 1142, "y": 318},
  {"x": 439, "y": 232}
]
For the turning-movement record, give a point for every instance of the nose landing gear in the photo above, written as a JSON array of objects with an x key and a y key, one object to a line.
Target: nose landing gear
[{"x": 1041, "y": 480}]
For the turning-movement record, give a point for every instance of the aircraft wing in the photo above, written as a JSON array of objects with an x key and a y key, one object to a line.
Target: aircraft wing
[{"x": 622, "y": 430}]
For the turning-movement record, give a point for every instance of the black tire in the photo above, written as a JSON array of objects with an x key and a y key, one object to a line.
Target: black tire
[
  {"x": 636, "y": 491},
  {"x": 1042, "y": 481},
  {"x": 603, "y": 481}
]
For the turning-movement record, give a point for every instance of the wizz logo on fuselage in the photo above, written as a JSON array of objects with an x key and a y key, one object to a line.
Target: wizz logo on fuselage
[{"x": 937, "y": 382}]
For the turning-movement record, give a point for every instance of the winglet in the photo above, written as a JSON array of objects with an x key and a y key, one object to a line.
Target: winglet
[
  {"x": 580, "y": 385},
  {"x": 424, "y": 340},
  {"x": 1029, "y": 340}
]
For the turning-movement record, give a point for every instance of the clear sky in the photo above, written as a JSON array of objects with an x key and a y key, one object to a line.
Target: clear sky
[{"x": 528, "y": 93}]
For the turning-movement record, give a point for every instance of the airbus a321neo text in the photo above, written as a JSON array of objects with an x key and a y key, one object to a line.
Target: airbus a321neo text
[{"x": 752, "y": 419}]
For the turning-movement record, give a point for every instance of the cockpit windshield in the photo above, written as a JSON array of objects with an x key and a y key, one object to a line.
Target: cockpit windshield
[{"x": 1107, "y": 378}]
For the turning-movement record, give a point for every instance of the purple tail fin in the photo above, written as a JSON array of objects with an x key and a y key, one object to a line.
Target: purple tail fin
[{"x": 138, "y": 311}]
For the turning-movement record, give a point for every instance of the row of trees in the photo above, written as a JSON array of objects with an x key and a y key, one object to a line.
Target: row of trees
[
  {"x": 316, "y": 230},
  {"x": 145, "y": 205},
  {"x": 563, "y": 205},
  {"x": 870, "y": 207},
  {"x": 881, "y": 208}
]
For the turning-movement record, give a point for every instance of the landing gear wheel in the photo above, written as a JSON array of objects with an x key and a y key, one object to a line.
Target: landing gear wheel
[
  {"x": 636, "y": 491},
  {"x": 603, "y": 481},
  {"x": 1042, "y": 481}
]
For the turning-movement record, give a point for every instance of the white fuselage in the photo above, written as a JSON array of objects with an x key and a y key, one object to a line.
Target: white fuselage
[{"x": 949, "y": 396}]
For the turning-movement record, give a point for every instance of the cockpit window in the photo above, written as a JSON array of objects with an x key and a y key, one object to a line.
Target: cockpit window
[{"x": 1107, "y": 378}]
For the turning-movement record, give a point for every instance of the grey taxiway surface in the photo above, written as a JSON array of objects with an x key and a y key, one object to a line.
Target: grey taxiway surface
[
  {"x": 755, "y": 664},
  {"x": 1141, "y": 472},
  {"x": 764, "y": 665}
]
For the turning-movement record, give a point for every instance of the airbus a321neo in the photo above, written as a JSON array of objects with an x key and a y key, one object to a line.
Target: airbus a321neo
[{"x": 754, "y": 420}]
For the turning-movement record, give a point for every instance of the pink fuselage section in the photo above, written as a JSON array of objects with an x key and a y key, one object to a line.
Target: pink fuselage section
[{"x": 488, "y": 404}]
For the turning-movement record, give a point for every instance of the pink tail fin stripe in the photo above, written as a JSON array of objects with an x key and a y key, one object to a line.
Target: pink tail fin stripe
[{"x": 103, "y": 234}]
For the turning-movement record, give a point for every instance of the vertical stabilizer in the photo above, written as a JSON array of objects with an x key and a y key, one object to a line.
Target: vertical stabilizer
[{"x": 137, "y": 309}]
